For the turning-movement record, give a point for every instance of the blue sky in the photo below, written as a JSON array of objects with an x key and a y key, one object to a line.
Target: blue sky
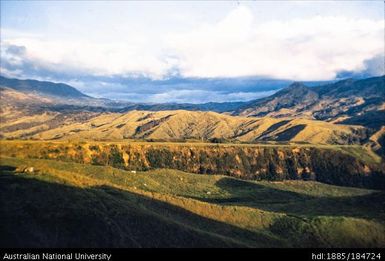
[{"x": 102, "y": 48}]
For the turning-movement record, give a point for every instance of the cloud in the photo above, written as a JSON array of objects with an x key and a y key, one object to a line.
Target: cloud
[
  {"x": 302, "y": 49},
  {"x": 17, "y": 62},
  {"x": 91, "y": 58},
  {"x": 375, "y": 66},
  {"x": 190, "y": 96},
  {"x": 372, "y": 67},
  {"x": 223, "y": 58},
  {"x": 16, "y": 50},
  {"x": 238, "y": 45},
  {"x": 201, "y": 96},
  {"x": 186, "y": 90}
]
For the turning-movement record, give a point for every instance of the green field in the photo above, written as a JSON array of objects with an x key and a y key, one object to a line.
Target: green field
[
  {"x": 345, "y": 165},
  {"x": 65, "y": 204}
]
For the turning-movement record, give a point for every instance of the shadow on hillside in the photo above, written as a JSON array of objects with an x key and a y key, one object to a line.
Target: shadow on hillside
[
  {"x": 7, "y": 168},
  {"x": 290, "y": 133},
  {"x": 272, "y": 128},
  {"x": 36, "y": 213},
  {"x": 243, "y": 193}
]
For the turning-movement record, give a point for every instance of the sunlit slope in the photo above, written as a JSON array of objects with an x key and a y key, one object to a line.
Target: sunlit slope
[
  {"x": 69, "y": 204},
  {"x": 351, "y": 165},
  {"x": 378, "y": 141},
  {"x": 351, "y": 101},
  {"x": 180, "y": 125}
]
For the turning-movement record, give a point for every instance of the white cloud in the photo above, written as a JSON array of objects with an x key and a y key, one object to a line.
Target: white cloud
[
  {"x": 314, "y": 48},
  {"x": 302, "y": 49},
  {"x": 96, "y": 58}
]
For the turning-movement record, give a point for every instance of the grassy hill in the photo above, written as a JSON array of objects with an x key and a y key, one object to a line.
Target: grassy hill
[
  {"x": 340, "y": 165},
  {"x": 77, "y": 174},
  {"x": 378, "y": 141},
  {"x": 70, "y": 204},
  {"x": 180, "y": 125}
]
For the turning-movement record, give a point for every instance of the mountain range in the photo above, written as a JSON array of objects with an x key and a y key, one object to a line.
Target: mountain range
[
  {"x": 331, "y": 102},
  {"x": 345, "y": 112},
  {"x": 341, "y": 102},
  {"x": 58, "y": 96},
  {"x": 43, "y": 88},
  {"x": 155, "y": 175}
]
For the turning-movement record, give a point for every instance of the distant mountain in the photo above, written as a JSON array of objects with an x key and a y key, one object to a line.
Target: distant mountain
[
  {"x": 21, "y": 98},
  {"x": 351, "y": 102},
  {"x": 342, "y": 101},
  {"x": 298, "y": 113},
  {"x": 284, "y": 103},
  {"x": 63, "y": 97},
  {"x": 210, "y": 106},
  {"x": 42, "y": 88},
  {"x": 58, "y": 95}
]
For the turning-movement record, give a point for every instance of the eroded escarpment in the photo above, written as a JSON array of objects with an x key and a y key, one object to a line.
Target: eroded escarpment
[{"x": 348, "y": 166}]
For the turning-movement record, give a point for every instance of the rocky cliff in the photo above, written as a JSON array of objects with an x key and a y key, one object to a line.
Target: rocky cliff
[{"x": 345, "y": 165}]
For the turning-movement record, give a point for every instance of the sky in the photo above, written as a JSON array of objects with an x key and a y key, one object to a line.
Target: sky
[{"x": 173, "y": 51}]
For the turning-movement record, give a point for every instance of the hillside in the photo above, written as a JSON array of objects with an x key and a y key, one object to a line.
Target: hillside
[
  {"x": 327, "y": 114},
  {"x": 76, "y": 205},
  {"x": 348, "y": 101},
  {"x": 343, "y": 101},
  {"x": 339, "y": 165},
  {"x": 11, "y": 96},
  {"x": 180, "y": 125},
  {"x": 33, "y": 96},
  {"x": 352, "y": 102},
  {"x": 43, "y": 88},
  {"x": 377, "y": 142}
]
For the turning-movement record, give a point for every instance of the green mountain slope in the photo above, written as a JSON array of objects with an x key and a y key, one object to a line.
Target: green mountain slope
[
  {"x": 75, "y": 205},
  {"x": 339, "y": 165}
]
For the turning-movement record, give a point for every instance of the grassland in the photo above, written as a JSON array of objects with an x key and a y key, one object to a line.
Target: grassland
[
  {"x": 73, "y": 204},
  {"x": 350, "y": 165},
  {"x": 358, "y": 151},
  {"x": 177, "y": 125}
]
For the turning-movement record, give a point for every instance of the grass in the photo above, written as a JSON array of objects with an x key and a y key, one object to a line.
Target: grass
[
  {"x": 71, "y": 204},
  {"x": 364, "y": 153},
  {"x": 181, "y": 125},
  {"x": 358, "y": 151},
  {"x": 186, "y": 143},
  {"x": 338, "y": 165},
  {"x": 9, "y": 147}
]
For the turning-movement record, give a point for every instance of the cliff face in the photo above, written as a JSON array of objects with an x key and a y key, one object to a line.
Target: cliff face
[{"x": 264, "y": 162}]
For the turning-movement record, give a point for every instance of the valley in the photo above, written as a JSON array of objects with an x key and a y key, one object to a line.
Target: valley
[
  {"x": 251, "y": 127},
  {"x": 339, "y": 165},
  {"x": 102, "y": 206},
  {"x": 182, "y": 175}
]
